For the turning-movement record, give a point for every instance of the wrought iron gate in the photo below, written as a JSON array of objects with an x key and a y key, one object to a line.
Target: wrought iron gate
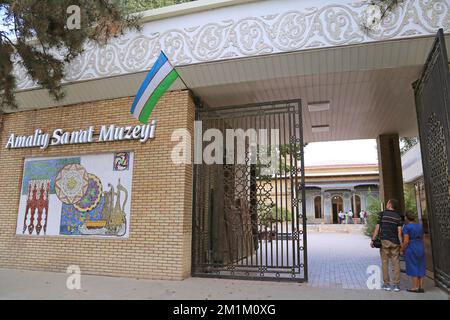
[
  {"x": 249, "y": 218},
  {"x": 432, "y": 93}
]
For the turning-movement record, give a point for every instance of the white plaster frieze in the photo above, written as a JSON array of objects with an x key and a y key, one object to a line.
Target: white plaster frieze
[{"x": 293, "y": 28}]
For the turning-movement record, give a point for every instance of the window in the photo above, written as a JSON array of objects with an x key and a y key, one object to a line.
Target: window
[{"x": 318, "y": 207}]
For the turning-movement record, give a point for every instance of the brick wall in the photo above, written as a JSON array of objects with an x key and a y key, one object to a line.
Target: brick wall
[{"x": 159, "y": 245}]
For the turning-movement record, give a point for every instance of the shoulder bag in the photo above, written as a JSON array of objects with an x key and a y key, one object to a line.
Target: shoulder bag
[{"x": 377, "y": 242}]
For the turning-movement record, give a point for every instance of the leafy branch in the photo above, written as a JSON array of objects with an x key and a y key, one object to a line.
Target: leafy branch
[
  {"x": 377, "y": 11},
  {"x": 36, "y": 37}
]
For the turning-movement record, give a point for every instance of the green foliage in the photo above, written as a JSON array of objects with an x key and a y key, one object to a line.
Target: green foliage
[
  {"x": 36, "y": 36},
  {"x": 280, "y": 215},
  {"x": 373, "y": 209},
  {"x": 408, "y": 143},
  {"x": 142, "y": 5},
  {"x": 410, "y": 199},
  {"x": 371, "y": 222},
  {"x": 283, "y": 153},
  {"x": 287, "y": 149}
]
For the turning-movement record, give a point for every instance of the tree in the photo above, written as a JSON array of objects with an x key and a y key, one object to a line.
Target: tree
[
  {"x": 141, "y": 5},
  {"x": 286, "y": 151},
  {"x": 42, "y": 36},
  {"x": 407, "y": 143}
]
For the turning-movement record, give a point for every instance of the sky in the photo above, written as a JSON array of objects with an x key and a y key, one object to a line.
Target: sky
[
  {"x": 341, "y": 152},
  {"x": 2, "y": 15}
]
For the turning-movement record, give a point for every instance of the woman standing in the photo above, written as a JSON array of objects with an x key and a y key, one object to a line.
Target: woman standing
[{"x": 414, "y": 252}]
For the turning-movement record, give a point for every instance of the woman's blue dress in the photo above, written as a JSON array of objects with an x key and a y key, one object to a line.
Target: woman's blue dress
[{"x": 415, "y": 251}]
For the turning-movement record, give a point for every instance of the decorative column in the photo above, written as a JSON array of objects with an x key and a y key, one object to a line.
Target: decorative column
[
  {"x": 327, "y": 208},
  {"x": 347, "y": 197},
  {"x": 354, "y": 204},
  {"x": 363, "y": 196}
]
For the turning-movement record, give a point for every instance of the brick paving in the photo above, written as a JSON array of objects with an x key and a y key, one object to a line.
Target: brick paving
[
  {"x": 340, "y": 260},
  {"x": 336, "y": 259}
]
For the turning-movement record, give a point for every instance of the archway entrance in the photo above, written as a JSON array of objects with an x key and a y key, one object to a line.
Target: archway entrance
[{"x": 338, "y": 205}]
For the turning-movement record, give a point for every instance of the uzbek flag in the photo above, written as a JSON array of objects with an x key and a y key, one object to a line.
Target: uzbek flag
[{"x": 157, "y": 81}]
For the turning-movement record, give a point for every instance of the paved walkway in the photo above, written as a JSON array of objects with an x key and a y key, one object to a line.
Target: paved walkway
[
  {"x": 15, "y": 284},
  {"x": 337, "y": 270},
  {"x": 340, "y": 260}
]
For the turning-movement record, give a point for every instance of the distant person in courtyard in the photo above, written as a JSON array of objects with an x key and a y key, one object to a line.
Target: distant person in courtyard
[
  {"x": 341, "y": 217},
  {"x": 346, "y": 217},
  {"x": 389, "y": 227},
  {"x": 361, "y": 217},
  {"x": 350, "y": 217},
  {"x": 414, "y": 252},
  {"x": 365, "y": 216}
]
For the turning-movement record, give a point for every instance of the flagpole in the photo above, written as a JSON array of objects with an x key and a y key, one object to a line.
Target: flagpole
[
  {"x": 175, "y": 70},
  {"x": 181, "y": 79}
]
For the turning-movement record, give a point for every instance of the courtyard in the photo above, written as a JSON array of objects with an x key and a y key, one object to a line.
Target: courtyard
[{"x": 340, "y": 260}]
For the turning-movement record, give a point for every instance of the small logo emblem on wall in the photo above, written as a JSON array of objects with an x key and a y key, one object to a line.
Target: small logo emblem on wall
[{"x": 121, "y": 161}]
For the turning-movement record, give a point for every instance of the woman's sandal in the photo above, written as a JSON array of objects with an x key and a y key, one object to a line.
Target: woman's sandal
[
  {"x": 414, "y": 290},
  {"x": 421, "y": 290}
]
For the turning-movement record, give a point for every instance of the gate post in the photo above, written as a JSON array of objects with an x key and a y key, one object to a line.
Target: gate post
[{"x": 390, "y": 168}]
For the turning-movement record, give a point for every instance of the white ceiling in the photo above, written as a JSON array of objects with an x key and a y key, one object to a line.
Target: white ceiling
[
  {"x": 368, "y": 86},
  {"x": 363, "y": 104}
]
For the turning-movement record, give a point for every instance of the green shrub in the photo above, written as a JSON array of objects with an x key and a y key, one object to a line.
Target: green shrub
[
  {"x": 373, "y": 209},
  {"x": 283, "y": 214},
  {"x": 272, "y": 218},
  {"x": 410, "y": 200}
]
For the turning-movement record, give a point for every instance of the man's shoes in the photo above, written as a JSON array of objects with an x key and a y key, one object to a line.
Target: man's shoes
[
  {"x": 386, "y": 287},
  {"x": 396, "y": 288}
]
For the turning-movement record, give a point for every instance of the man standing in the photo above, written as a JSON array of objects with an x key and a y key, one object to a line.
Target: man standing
[
  {"x": 350, "y": 217},
  {"x": 361, "y": 217},
  {"x": 390, "y": 228},
  {"x": 341, "y": 217}
]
